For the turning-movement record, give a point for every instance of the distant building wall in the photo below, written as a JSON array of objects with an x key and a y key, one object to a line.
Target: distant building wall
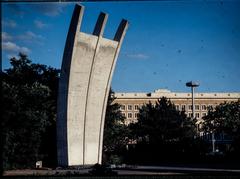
[{"x": 131, "y": 102}]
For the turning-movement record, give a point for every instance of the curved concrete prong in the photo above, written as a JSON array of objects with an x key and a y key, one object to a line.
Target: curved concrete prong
[
  {"x": 71, "y": 36},
  {"x": 100, "y": 24},
  {"x": 121, "y": 31},
  {"x": 87, "y": 69},
  {"x": 119, "y": 36},
  {"x": 63, "y": 85}
]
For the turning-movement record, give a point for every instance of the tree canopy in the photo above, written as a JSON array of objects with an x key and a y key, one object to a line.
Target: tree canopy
[
  {"x": 224, "y": 118},
  {"x": 29, "y": 115},
  {"x": 161, "y": 122},
  {"x": 161, "y": 133},
  {"x": 29, "y": 98},
  {"x": 115, "y": 131}
]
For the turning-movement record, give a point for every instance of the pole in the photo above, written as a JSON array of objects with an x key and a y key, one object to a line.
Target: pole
[
  {"x": 213, "y": 142},
  {"x": 193, "y": 106},
  {"x": 192, "y": 85}
]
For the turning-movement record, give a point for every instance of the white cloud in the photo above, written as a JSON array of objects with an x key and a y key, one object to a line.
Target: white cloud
[
  {"x": 9, "y": 23},
  {"x": 30, "y": 36},
  {"x": 12, "y": 47},
  {"x": 6, "y": 36},
  {"x": 49, "y": 9},
  {"x": 137, "y": 56},
  {"x": 40, "y": 24}
]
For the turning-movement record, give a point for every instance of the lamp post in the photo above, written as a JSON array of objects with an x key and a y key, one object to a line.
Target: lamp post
[{"x": 192, "y": 85}]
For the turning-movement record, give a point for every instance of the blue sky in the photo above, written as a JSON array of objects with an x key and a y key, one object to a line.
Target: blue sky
[{"x": 167, "y": 44}]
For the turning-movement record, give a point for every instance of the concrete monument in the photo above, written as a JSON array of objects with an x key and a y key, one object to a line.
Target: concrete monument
[{"x": 86, "y": 73}]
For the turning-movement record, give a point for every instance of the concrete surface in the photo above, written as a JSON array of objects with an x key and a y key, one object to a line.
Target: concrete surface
[{"x": 87, "y": 69}]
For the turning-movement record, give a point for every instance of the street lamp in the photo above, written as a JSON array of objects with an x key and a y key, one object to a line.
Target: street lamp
[{"x": 192, "y": 85}]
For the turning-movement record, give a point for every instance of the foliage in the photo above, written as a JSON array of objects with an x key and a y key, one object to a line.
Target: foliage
[
  {"x": 29, "y": 115},
  {"x": 115, "y": 131},
  {"x": 225, "y": 118},
  {"x": 162, "y": 123},
  {"x": 29, "y": 98},
  {"x": 162, "y": 134},
  {"x": 102, "y": 170},
  {"x": 115, "y": 159}
]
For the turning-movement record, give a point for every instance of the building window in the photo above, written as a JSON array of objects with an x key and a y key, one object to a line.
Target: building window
[
  {"x": 177, "y": 107},
  {"x": 136, "y": 115},
  {"x": 183, "y": 107},
  {"x": 204, "y": 114},
  {"x": 124, "y": 115},
  {"x": 204, "y": 107},
  {"x": 190, "y": 115},
  {"x": 136, "y": 107},
  {"x": 123, "y": 107},
  {"x": 121, "y": 94},
  {"x": 129, "y": 115},
  {"x": 210, "y": 106},
  {"x": 190, "y": 107},
  {"x": 198, "y": 127},
  {"x": 196, "y": 107},
  {"x": 197, "y": 115},
  {"x": 129, "y": 107}
]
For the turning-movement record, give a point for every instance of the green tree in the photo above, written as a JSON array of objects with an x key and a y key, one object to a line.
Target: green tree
[
  {"x": 29, "y": 110},
  {"x": 162, "y": 123},
  {"x": 162, "y": 133},
  {"x": 225, "y": 118},
  {"x": 29, "y": 116},
  {"x": 115, "y": 131}
]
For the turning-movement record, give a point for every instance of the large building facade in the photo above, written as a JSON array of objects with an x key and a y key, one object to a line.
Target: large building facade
[{"x": 131, "y": 102}]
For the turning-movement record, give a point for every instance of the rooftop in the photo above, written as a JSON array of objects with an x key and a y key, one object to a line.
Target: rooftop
[{"x": 167, "y": 93}]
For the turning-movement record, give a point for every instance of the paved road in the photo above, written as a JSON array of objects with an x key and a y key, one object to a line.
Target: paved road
[
  {"x": 139, "y": 172},
  {"x": 130, "y": 170},
  {"x": 178, "y": 170}
]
